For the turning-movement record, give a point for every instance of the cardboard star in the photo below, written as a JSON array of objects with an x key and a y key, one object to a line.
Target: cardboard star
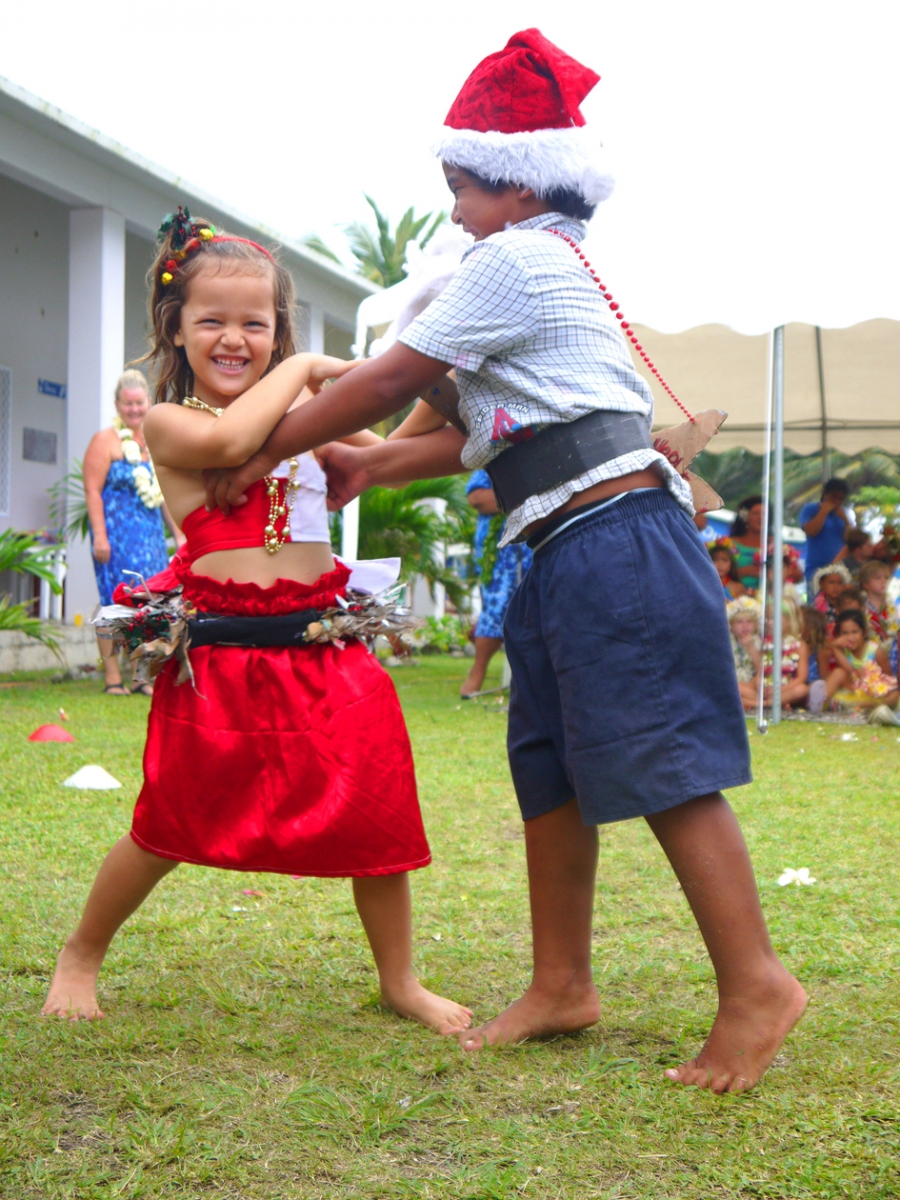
[{"x": 681, "y": 445}]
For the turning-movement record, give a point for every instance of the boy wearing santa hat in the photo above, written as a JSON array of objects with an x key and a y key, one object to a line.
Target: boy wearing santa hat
[{"x": 610, "y": 708}]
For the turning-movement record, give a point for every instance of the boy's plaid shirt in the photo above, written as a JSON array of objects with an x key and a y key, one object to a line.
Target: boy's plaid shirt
[{"x": 534, "y": 343}]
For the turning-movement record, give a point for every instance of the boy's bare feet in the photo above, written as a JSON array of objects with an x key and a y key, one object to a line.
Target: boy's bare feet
[
  {"x": 537, "y": 1014},
  {"x": 416, "y": 1003},
  {"x": 746, "y": 1035},
  {"x": 73, "y": 991}
]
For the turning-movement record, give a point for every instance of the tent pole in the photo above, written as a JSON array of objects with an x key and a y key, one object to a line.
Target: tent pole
[
  {"x": 826, "y": 466},
  {"x": 761, "y": 723},
  {"x": 777, "y": 521}
]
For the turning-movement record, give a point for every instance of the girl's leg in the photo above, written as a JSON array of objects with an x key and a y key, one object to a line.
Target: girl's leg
[
  {"x": 837, "y": 679},
  {"x": 749, "y": 696},
  {"x": 112, "y": 676},
  {"x": 562, "y": 869},
  {"x": 794, "y": 693},
  {"x": 384, "y": 905},
  {"x": 759, "y": 1000},
  {"x": 485, "y": 649},
  {"x": 126, "y": 878}
]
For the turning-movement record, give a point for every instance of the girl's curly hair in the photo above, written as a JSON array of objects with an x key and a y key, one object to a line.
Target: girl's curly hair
[{"x": 173, "y": 378}]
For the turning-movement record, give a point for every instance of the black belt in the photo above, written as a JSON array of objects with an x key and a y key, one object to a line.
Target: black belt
[
  {"x": 210, "y": 629},
  {"x": 563, "y": 452}
]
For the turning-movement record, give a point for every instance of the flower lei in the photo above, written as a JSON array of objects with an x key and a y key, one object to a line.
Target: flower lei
[{"x": 145, "y": 482}]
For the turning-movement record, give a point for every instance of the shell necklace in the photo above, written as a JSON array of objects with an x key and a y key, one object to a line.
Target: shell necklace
[{"x": 279, "y": 506}]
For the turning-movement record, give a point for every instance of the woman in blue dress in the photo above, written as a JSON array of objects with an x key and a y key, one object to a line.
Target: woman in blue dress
[
  {"x": 500, "y": 572},
  {"x": 125, "y": 508}
]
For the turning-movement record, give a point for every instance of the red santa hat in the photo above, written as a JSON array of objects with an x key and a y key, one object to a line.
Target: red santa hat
[{"x": 517, "y": 120}]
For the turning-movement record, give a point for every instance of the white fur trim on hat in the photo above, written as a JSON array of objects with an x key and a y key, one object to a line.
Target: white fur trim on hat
[{"x": 543, "y": 160}]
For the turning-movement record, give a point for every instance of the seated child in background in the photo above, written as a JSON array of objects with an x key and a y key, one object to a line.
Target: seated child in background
[
  {"x": 849, "y": 597},
  {"x": 874, "y": 578},
  {"x": 814, "y": 635},
  {"x": 721, "y": 551},
  {"x": 743, "y": 621},
  {"x": 794, "y": 661},
  {"x": 857, "y": 549},
  {"x": 828, "y": 582},
  {"x": 861, "y": 679}
]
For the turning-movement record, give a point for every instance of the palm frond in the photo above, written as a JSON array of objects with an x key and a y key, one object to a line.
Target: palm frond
[
  {"x": 312, "y": 241},
  {"x": 15, "y": 618},
  {"x": 23, "y": 553},
  {"x": 433, "y": 228},
  {"x": 68, "y": 507}
]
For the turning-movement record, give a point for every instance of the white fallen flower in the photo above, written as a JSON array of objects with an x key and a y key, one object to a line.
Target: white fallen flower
[
  {"x": 789, "y": 875},
  {"x": 849, "y": 737}
]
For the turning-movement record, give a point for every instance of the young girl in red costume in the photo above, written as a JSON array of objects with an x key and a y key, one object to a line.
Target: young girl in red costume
[{"x": 287, "y": 758}]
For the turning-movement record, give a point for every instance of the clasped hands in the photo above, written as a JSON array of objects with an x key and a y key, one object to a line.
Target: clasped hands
[{"x": 343, "y": 465}]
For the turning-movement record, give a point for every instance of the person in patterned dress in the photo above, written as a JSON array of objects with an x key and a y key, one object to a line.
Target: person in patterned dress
[
  {"x": 500, "y": 573},
  {"x": 125, "y": 508}
]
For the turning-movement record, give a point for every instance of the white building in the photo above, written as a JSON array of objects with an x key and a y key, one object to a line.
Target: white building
[{"x": 78, "y": 221}]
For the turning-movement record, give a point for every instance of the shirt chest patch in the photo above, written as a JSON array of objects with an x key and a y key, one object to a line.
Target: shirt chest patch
[{"x": 508, "y": 429}]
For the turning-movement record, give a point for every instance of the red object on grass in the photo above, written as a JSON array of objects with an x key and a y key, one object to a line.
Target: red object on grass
[{"x": 50, "y": 733}]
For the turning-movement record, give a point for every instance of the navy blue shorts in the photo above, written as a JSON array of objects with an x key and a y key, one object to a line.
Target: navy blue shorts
[{"x": 624, "y": 692}]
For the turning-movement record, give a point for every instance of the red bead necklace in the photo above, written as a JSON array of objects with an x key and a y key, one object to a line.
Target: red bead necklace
[{"x": 626, "y": 328}]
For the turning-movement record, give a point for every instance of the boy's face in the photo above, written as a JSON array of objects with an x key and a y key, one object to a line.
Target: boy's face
[
  {"x": 831, "y": 587},
  {"x": 481, "y": 212},
  {"x": 877, "y": 584}
]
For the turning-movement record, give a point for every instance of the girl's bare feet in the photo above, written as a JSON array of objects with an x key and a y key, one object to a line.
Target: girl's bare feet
[
  {"x": 73, "y": 991},
  {"x": 746, "y": 1035},
  {"x": 416, "y": 1003},
  {"x": 537, "y": 1014}
]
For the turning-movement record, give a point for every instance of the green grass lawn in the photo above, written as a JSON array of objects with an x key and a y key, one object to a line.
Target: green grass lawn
[{"x": 244, "y": 1054}]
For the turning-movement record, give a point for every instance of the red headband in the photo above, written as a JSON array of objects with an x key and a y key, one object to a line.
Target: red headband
[{"x": 171, "y": 266}]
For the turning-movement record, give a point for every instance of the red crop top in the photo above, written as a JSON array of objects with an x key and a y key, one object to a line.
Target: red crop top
[{"x": 244, "y": 526}]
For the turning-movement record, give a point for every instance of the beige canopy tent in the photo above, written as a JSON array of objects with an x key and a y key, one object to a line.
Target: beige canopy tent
[{"x": 843, "y": 394}]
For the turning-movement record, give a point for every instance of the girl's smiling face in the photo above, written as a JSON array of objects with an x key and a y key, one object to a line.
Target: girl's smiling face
[
  {"x": 852, "y": 637},
  {"x": 227, "y": 330}
]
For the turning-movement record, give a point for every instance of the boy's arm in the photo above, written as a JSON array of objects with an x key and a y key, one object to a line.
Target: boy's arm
[
  {"x": 351, "y": 470},
  {"x": 381, "y": 387}
]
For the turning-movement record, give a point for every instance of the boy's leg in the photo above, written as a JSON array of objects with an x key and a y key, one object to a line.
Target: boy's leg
[
  {"x": 385, "y": 909},
  {"x": 562, "y": 868},
  {"x": 759, "y": 1000},
  {"x": 126, "y": 878}
]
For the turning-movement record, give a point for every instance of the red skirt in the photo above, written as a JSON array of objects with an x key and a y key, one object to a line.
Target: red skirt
[{"x": 290, "y": 759}]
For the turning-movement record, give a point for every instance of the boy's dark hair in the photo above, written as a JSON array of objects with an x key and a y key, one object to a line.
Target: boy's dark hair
[
  {"x": 856, "y": 537},
  {"x": 857, "y": 616},
  {"x": 851, "y": 595},
  {"x": 561, "y": 200},
  {"x": 835, "y": 485}
]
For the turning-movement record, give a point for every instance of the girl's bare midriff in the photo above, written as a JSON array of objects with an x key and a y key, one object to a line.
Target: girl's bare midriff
[
  {"x": 649, "y": 477},
  {"x": 303, "y": 562}
]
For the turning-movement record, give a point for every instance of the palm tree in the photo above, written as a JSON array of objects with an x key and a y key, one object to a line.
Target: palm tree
[
  {"x": 24, "y": 554},
  {"x": 394, "y": 522},
  {"x": 381, "y": 255},
  {"x": 738, "y": 473}
]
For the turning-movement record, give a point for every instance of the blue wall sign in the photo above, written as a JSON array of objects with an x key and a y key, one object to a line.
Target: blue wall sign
[{"x": 48, "y": 388}]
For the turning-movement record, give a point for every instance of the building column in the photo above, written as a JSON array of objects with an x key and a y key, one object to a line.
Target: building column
[
  {"x": 96, "y": 356},
  {"x": 316, "y": 329}
]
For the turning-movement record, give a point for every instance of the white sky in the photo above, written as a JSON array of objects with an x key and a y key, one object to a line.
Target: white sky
[{"x": 754, "y": 143}]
